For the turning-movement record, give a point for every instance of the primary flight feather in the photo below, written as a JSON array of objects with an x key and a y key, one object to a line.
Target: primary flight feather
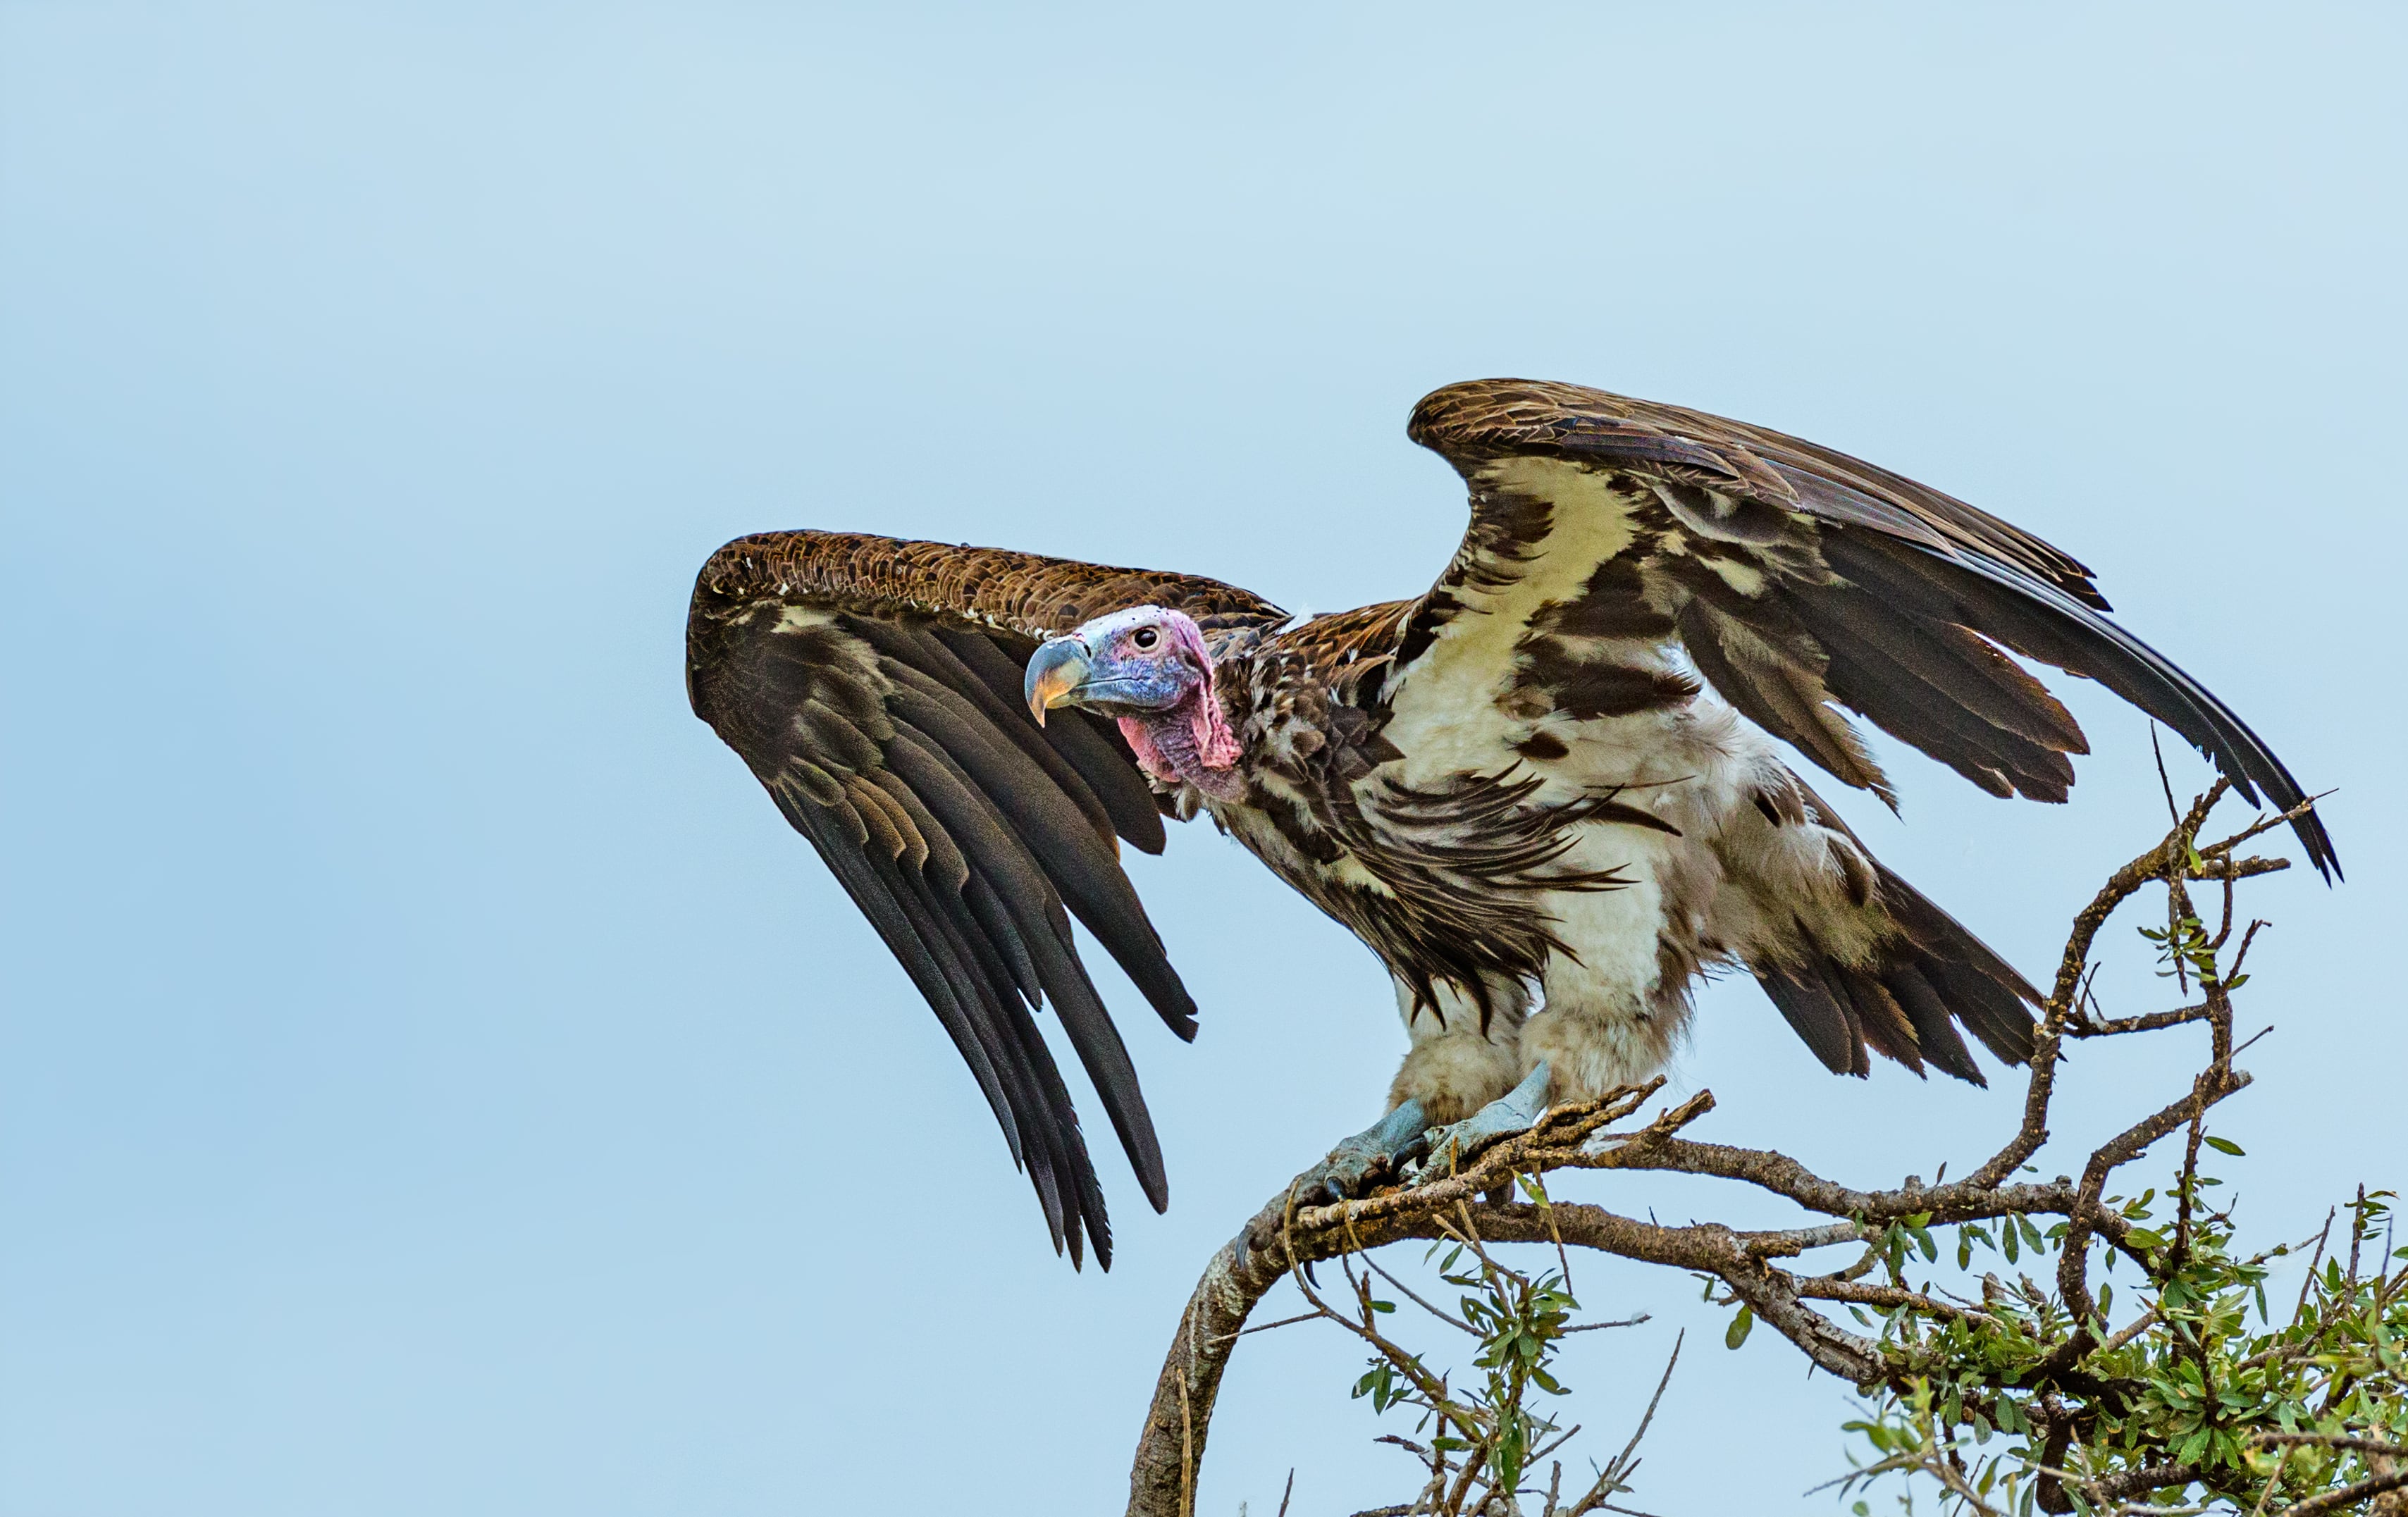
[{"x": 1517, "y": 789}]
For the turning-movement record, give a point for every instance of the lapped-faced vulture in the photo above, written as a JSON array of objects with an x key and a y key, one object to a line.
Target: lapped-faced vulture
[{"x": 1545, "y": 792}]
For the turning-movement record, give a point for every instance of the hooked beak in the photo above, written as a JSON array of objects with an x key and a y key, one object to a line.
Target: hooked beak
[{"x": 1054, "y": 675}]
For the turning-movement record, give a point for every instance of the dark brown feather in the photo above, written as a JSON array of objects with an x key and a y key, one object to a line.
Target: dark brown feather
[
  {"x": 1886, "y": 574},
  {"x": 989, "y": 838},
  {"x": 1935, "y": 1032},
  {"x": 1042, "y": 1134},
  {"x": 1074, "y": 859},
  {"x": 1882, "y": 1023},
  {"x": 1807, "y": 1004},
  {"x": 1952, "y": 663},
  {"x": 2056, "y": 629},
  {"x": 1778, "y": 696},
  {"x": 912, "y": 646},
  {"x": 1102, "y": 763},
  {"x": 1900, "y": 702},
  {"x": 872, "y": 686}
]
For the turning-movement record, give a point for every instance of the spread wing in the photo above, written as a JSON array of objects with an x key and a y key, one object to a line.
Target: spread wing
[
  {"x": 1796, "y": 577},
  {"x": 874, "y": 688}
]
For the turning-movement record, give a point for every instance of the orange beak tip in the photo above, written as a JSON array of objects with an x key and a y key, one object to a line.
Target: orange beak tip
[{"x": 1053, "y": 675}]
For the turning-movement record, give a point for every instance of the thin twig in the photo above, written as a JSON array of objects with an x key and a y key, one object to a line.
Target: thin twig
[
  {"x": 1267, "y": 1327},
  {"x": 1600, "y": 1326},
  {"x": 1609, "y": 1480}
]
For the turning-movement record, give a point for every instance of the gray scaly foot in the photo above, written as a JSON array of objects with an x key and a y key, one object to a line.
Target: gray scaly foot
[
  {"x": 1514, "y": 1112},
  {"x": 1378, "y": 1152}
]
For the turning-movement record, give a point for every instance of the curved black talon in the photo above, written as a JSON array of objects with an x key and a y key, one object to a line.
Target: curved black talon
[{"x": 1377, "y": 1154}]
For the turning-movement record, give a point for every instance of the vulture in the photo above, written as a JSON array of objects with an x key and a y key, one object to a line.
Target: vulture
[{"x": 1545, "y": 792}]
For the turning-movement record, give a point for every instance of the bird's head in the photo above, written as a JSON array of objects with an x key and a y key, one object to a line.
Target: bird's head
[{"x": 1148, "y": 668}]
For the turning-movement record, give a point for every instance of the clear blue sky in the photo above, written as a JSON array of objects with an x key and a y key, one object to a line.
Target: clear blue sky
[{"x": 431, "y": 1076}]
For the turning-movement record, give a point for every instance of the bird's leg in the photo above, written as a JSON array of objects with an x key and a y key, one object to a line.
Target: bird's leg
[
  {"x": 1463, "y": 1053},
  {"x": 1516, "y": 1112},
  {"x": 1378, "y": 1152}
]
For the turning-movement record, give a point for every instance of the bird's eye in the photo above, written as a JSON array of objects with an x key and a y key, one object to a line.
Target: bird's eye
[{"x": 1145, "y": 637}]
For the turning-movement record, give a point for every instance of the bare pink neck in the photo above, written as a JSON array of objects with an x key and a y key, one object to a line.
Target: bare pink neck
[{"x": 1190, "y": 742}]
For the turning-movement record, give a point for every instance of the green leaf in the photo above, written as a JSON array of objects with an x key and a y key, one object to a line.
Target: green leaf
[
  {"x": 2223, "y": 1145},
  {"x": 1739, "y": 1325}
]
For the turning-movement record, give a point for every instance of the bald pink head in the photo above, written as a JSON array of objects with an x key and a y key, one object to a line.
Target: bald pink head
[{"x": 1149, "y": 669}]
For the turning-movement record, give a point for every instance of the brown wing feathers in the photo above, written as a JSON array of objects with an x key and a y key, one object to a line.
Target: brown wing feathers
[
  {"x": 1056, "y": 834},
  {"x": 1797, "y": 576},
  {"x": 1025, "y": 596},
  {"x": 2045, "y": 623},
  {"x": 1924, "y": 977},
  {"x": 1881, "y": 593},
  {"x": 1091, "y": 746},
  {"x": 873, "y": 687}
]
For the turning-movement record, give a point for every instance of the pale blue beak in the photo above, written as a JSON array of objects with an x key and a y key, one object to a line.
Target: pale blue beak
[{"x": 1054, "y": 674}]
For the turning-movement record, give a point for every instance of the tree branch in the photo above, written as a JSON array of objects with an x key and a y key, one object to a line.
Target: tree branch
[{"x": 1285, "y": 1238}]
